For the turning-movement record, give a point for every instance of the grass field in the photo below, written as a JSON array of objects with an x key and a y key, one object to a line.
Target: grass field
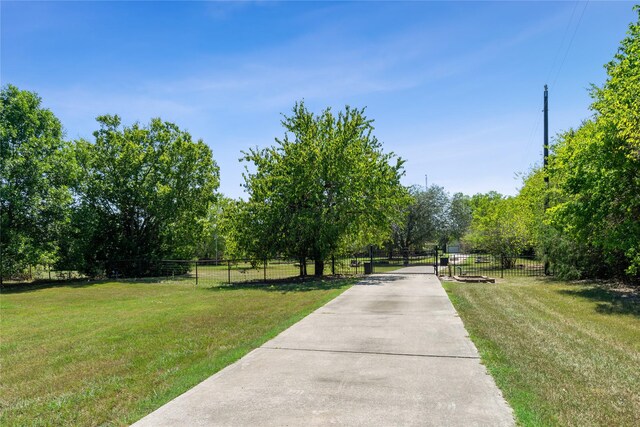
[
  {"x": 109, "y": 353},
  {"x": 562, "y": 354}
]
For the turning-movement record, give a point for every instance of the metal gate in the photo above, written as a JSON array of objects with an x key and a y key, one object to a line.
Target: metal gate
[{"x": 405, "y": 262}]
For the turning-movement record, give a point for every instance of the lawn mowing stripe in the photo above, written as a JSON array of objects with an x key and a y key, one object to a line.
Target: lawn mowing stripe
[{"x": 546, "y": 356}]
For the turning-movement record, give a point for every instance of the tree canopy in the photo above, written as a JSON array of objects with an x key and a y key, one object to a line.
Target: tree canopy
[
  {"x": 144, "y": 192},
  {"x": 500, "y": 225},
  {"x": 592, "y": 225},
  {"x": 327, "y": 184},
  {"x": 425, "y": 219},
  {"x": 34, "y": 181},
  {"x": 595, "y": 169}
]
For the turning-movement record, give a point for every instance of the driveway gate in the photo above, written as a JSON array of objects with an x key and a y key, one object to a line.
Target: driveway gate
[{"x": 404, "y": 261}]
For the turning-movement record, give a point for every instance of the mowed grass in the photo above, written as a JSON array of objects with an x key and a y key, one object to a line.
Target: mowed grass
[
  {"x": 562, "y": 354},
  {"x": 109, "y": 353}
]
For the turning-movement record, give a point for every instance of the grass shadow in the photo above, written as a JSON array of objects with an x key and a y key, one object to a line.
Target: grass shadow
[
  {"x": 18, "y": 288},
  {"x": 310, "y": 283},
  {"x": 609, "y": 300},
  {"x": 291, "y": 284}
]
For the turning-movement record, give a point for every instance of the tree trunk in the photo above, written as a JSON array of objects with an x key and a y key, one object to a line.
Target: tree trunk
[
  {"x": 508, "y": 262},
  {"x": 319, "y": 270},
  {"x": 303, "y": 267}
]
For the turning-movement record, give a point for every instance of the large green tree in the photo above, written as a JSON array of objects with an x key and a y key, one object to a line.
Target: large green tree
[
  {"x": 424, "y": 220},
  {"x": 145, "y": 193},
  {"x": 459, "y": 217},
  {"x": 325, "y": 185},
  {"x": 500, "y": 225},
  {"x": 595, "y": 169},
  {"x": 35, "y": 171},
  {"x": 592, "y": 225}
]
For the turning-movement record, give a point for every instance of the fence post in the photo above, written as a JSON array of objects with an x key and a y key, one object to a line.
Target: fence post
[
  {"x": 333, "y": 265},
  {"x": 546, "y": 265},
  {"x": 229, "y": 270},
  {"x": 436, "y": 261},
  {"x": 502, "y": 266},
  {"x": 49, "y": 272},
  {"x": 265, "y": 269},
  {"x": 196, "y": 272},
  {"x": 371, "y": 257}
]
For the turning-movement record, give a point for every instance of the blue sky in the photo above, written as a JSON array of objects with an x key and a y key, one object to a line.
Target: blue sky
[{"x": 455, "y": 88}]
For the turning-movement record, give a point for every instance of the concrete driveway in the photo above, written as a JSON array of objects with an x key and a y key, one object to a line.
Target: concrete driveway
[{"x": 389, "y": 351}]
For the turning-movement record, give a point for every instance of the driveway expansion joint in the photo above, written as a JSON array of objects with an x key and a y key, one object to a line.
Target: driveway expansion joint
[{"x": 382, "y": 353}]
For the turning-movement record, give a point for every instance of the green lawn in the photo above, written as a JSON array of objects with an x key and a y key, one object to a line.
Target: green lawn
[
  {"x": 109, "y": 353},
  {"x": 562, "y": 354}
]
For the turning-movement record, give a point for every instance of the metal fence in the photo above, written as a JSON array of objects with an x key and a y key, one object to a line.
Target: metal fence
[
  {"x": 202, "y": 272},
  {"x": 247, "y": 270},
  {"x": 493, "y": 265},
  {"x": 388, "y": 261},
  {"x": 38, "y": 273},
  {"x": 213, "y": 272}
]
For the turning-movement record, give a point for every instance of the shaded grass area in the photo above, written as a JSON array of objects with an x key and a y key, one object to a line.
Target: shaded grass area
[
  {"x": 244, "y": 271},
  {"x": 107, "y": 353},
  {"x": 562, "y": 354}
]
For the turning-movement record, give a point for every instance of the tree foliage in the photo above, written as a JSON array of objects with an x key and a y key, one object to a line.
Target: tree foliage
[
  {"x": 459, "y": 217},
  {"x": 592, "y": 226},
  {"x": 34, "y": 181},
  {"x": 145, "y": 193},
  {"x": 325, "y": 185},
  {"x": 425, "y": 219},
  {"x": 500, "y": 225},
  {"x": 595, "y": 169}
]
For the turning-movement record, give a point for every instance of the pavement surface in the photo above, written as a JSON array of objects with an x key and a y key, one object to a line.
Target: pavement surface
[{"x": 388, "y": 351}]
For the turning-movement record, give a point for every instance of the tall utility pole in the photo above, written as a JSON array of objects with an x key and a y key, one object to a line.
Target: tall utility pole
[
  {"x": 545, "y": 162},
  {"x": 426, "y": 186},
  {"x": 546, "y": 134}
]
